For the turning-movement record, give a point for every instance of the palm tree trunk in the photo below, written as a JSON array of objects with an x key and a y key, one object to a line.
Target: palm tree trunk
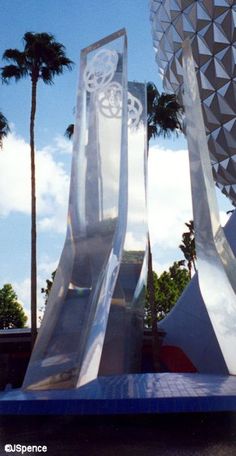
[{"x": 33, "y": 220}]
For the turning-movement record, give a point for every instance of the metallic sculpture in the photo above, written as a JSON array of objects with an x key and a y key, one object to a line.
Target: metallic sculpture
[
  {"x": 91, "y": 309},
  {"x": 211, "y": 27},
  {"x": 202, "y": 323},
  {"x": 189, "y": 329},
  {"x": 123, "y": 341},
  {"x": 216, "y": 261}
]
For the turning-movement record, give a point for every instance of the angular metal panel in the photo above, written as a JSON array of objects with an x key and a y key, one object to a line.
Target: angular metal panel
[
  {"x": 123, "y": 341},
  {"x": 216, "y": 261},
  {"x": 70, "y": 341}
]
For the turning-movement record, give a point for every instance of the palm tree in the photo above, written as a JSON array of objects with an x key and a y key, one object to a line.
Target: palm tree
[
  {"x": 164, "y": 113},
  {"x": 164, "y": 117},
  {"x": 42, "y": 58},
  {"x": 4, "y": 128}
]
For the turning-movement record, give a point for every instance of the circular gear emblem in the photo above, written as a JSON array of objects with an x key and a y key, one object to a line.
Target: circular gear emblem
[
  {"x": 100, "y": 70},
  {"x": 110, "y": 100},
  {"x": 135, "y": 110}
]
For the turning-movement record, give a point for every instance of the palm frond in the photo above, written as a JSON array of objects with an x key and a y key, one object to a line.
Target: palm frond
[
  {"x": 46, "y": 75},
  {"x": 12, "y": 71},
  {"x": 4, "y": 128},
  {"x": 14, "y": 55},
  {"x": 164, "y": 113},
  {"x": 30, "y": 38},
  {"x": 69, "y": 131},
  {"x": 46, "y": 54}
]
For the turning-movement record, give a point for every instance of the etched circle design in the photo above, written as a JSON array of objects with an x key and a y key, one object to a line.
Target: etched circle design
[
  {"x": 110, "y": 104},
  {"x": 100, "y": 70},
  {"x": 110, "y": 100},
  {"x": 135, "y": 110}
]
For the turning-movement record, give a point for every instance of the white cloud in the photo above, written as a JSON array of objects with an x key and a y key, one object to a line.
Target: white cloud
[
  {"x": 169, "y": 200},
  {"x": 59, "y": 145},
  {"x": 46, "y": 267},
  {"x": 63, "y": 145},
  {"x": 52, "y": 184},
  {"x": 160, "y": 267},
  {"x": 14, "y": 176},
  {"x": 133, "y": 242}
]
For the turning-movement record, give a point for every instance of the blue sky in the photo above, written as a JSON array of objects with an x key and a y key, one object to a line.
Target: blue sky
[{"x": 76, "y": 24}]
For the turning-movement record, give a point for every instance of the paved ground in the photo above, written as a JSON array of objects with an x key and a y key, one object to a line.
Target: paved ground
[
  {"x": 148, "y": 426},
  {"x": 129, "y": 394},
  {"x": 163, "y": 435}
]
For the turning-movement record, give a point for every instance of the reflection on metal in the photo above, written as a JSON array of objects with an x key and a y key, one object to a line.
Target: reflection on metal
[
  {"x": 216, "y": 261},
  {"x": 211, "y": 27},
  {"x": 122, "y": 347},
  {"x": 135, "y": 110},
  {"x": 91, "y": 300}
]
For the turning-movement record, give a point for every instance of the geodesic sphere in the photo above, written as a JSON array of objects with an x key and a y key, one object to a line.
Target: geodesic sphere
[{"x": 211, "y": 27}]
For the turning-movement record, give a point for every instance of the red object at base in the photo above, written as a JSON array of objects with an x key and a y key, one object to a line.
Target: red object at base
[{"x": 175, "y": 360}]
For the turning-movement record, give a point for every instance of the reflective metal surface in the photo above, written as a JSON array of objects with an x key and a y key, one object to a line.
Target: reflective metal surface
[
  {"x": 188, "y": 326},
  {"x": 69, "y": 346},
  {"x": 93, "y": 319},
  {"x": 216, "y": 261},
  {"x": 211, "y": 27},
  {"x": 123, "y": 341}
]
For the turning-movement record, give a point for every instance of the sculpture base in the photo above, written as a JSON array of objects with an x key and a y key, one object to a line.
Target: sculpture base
[{"x": 129, "y": 395}]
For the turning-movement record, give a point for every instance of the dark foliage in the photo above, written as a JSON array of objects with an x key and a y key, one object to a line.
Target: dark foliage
[{"x": 11, "y": 311}]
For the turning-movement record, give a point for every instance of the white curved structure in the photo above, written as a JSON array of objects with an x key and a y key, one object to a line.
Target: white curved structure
[
  {"x": 211, "y": 27},
  {"x": 202, "y": 324},
  {"x": 189, "y": 328},
  {"x": 216, "y": 261}
]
